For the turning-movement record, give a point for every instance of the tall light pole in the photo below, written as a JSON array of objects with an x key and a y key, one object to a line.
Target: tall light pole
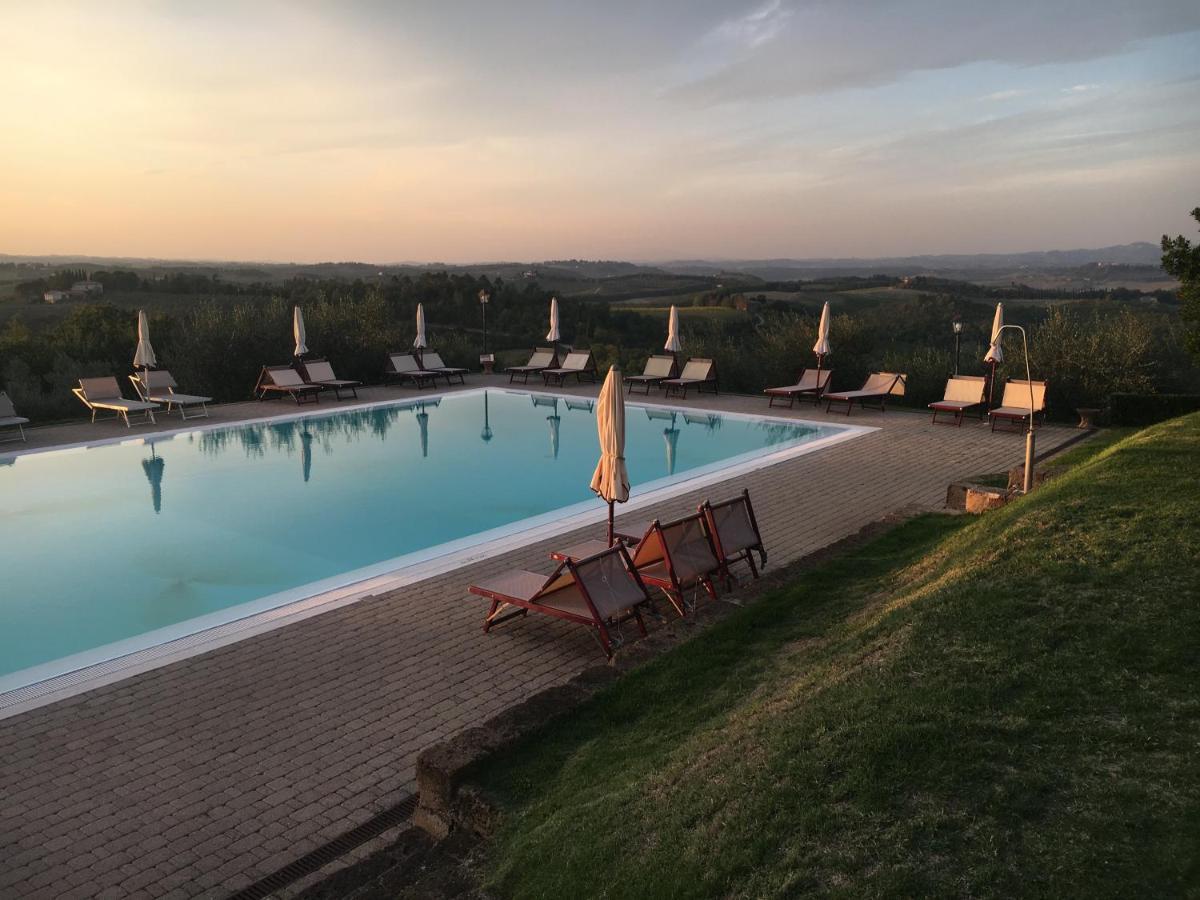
[
  {"x": 1029, "y": 438},
  {"x": 957, "y": 326},
  {"x": 484, "y": 297}
]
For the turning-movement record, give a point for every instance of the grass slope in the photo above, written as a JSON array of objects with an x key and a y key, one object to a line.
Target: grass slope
[{"x": 997, "y": 706}]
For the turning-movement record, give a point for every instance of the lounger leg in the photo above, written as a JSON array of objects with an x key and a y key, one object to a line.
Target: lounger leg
[
  {"x": 641, "y": 624},
  {"x": 487, "y": 623},
  {"x": 602, "y": 636}
]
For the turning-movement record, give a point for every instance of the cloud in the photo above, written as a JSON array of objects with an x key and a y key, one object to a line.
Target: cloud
[
  {"x": 755, "y": 28},
  {"x": 1010, "y": 94},
  {"x": 1080, "y": 88}
]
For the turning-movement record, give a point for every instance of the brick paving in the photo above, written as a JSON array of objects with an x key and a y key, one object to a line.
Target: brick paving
[{"x": 200, "y": 777}]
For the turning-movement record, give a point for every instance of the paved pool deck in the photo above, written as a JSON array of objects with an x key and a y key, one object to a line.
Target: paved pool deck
[{"x": 200, "y": 777}]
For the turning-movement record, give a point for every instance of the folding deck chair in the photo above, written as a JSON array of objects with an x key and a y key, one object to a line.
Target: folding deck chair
[
  {"x": 735, "y": 535},
  {"x": 600, "y": 591},
  {"x": 105, "y": 394},
  {"x": 1014, "y": 405},
  {"x": 878, "y": 386},
  {"x": 657, "y": 368},
  {"x": 962, "y": 393},
  {"x": 431, "y": 361},
  {"x": 578, "y": 363},
  {"x": 159, "y": 387},
  {"x": 696, "y": 373},
  {"x": 806, "y": 384},
  {"x": 279, "y": 381},
  {"x": 541, "y": 359},
  {"x": 319, "y": 371},
  {"x": 10, "y": 419},
  {"x": 404, "y": 367}
]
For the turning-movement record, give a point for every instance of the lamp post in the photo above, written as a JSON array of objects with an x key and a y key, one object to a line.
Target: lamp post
[
  {"x": 957, "y": 326},
  {"x": 1030, "y": 441},
  {"x": 484, "y": 297}
]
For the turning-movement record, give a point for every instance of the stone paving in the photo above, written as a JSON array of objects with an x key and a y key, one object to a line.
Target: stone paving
[{"x": 200, "y": 777}]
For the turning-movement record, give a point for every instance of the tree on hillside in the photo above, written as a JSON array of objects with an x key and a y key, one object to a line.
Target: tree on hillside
[{"x": 1181, "y": 258}]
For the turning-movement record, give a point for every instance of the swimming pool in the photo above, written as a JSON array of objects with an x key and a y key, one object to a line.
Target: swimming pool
[{"x": 122, "y": 545}]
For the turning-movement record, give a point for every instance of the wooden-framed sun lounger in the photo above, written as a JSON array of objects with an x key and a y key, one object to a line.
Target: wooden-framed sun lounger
[
  {"x": 657, "y": 368},
  {"x": 281, "y": 381},
  {"x": 105, "y": 394},
  {"x": 806, "y": 384},
  {"x": 698, "y": 373},
  {"x": 1014, "y": 405},
  {"x": 578, "y": 363},
  {"x": 878, "y": 387},
  {"x": 963, "y": 392},
  {"x": 541, "y": 359},
  {"x": 319, "y": 371},
  {"x": 404, "y": 367},
  {"x": 10, "y": 419},
  {"x": 735, "y": 535},
  {"x": 159, "y": 386},
  {"x": 600, "y": 591},
  {"x": 431, "y": 361},
  {"x": 677, "y": 557}
]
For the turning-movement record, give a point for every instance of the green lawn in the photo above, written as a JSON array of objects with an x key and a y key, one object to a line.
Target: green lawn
[{"x": 999, "y": 706}]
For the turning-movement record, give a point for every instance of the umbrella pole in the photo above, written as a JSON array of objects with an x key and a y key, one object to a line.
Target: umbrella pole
[
  {"x": 991, "y": 385},
  {"x": 817, "y": 392},
  {"x": 610, "y": 523}
]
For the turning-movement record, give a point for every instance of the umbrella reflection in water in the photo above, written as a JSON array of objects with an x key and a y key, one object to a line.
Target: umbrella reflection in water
[{"x": 153, "y": 467}]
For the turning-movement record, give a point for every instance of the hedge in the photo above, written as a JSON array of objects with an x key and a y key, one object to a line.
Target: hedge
[{"x": 1146, "y": 409}]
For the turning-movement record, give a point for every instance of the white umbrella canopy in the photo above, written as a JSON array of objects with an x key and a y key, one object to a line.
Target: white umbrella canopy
[
  {"x": 995, "y": 352},
  {"x": 143, "y": 356},
  {"x": 821, "y": 347},
  {"x": 419, "y": 340},
  {"x": 611, "y": 480},
  {"x": 674, "y": 344},
  {"x": 553, "y": 334},
  {"x": 298, "y": 332}
]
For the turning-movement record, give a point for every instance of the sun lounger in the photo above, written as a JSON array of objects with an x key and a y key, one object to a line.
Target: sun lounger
[
  {"x": 735, "y": 535},
  {"x": 578, "y": 363},
  {"x": 657, "y": 368},
  {"x": 962, "y": 393},
  {"x": 319, "y": 371},
  {"x": 696, "y": 373},
  {"x": 159, "y": 387},
  {"x": 1014, "y": 405},
  {"x": 805, "y": 384},
  {"x": 10, "y": 419},
  {"x": 878, "y": 387},
  {"x": 105, "y": 394},
  {"x": 541, "y": 359},
  {"x": 278, "y": 381},
  {"x": 600, "y": 591},
  {"x": 404, "y": 367},
  {"x": 432, "y": 362}
]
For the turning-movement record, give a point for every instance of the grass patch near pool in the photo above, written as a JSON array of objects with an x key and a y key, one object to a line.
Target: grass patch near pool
[{"x": 1001, "y": 706}]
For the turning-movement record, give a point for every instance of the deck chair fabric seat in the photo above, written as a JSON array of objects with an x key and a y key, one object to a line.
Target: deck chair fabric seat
[
  {"x": 878, "y": 387},
  {"x": 281, "y": 381},
  {"x": 99, "y": 394},
  {"x": 656, "y": 369},
  {"x": 319, "y": 371},
  {"x": 432, "y": 361},
  {"x": 696, "y": 373},
  {"x": 676, "y": 557},
  {"x": 735, "y": 534},
  {"x": 1014, "y": 405},
  {"x": 963, "y": 392},
  {"x": 10, "y": 419},
  {"x": 159, "y": 386},
  {"x": 600, "y": 591},
  {"x": 541, "y": 359},
  {"x": 404, "y": 367},
  {"x": 807, "y": 383},
  {"x": 578, "y": 363}
]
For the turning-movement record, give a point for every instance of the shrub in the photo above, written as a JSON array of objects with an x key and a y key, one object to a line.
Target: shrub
[{"x": 1146, "y": 409}]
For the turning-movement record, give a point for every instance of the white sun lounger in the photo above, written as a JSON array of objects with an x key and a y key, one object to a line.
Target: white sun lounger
[
  {"x": 159, "y": 387},
  {"x": 105, "y": 394},
  {"x": 10, "y": 419}
]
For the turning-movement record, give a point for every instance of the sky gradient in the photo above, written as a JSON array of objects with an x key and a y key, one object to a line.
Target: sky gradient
[{"x": 472, "y": 131}]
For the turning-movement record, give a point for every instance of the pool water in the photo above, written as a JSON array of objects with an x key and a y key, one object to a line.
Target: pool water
[{"x": 105, "y": 543}]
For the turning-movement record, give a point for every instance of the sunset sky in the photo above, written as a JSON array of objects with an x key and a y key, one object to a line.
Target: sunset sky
[{"x": 470, "y": 131}]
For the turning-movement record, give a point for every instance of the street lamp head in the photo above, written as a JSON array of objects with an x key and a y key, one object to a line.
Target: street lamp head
[
  {"x": 484, "y": 296},
  {"x": 957, "y": 325}
]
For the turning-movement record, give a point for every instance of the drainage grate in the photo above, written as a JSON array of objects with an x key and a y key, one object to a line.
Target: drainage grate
[{"x": 327, "y": 853}]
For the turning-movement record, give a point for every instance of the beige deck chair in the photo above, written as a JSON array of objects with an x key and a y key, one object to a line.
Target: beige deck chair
[
  {"x": 656, "y": 370},
  {"x": 541, "y": 359},
  {"x": 104, "y": 394},
  {"x": 10, "y": 419},
  {"x": 878, "y": 387},
  {"x": 159, "y": 387},
  {"x": 697, "y": 373},
  {"x": 1014, "y": 405},
  {"x": 806, "y": 384},
  {"x": 278, "y": 381},
  {"x": 319, "y": 371},
  {"x": 578, "y": 363},
  {"x": 404, "y": 367},
  {"x": 962, "y": 393}
]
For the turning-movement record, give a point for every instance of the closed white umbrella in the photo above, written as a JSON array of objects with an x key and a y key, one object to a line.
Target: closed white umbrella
[
  {"x": 419, "y": 340},
  {"x": 821, "y": 347},
  {"x": 553, "y": 336},
  {"x": 673, "y": 343},
  {"x": 995, "y": 352},
  {"x": 143, "y": 355},
  {"x": 610, "y": 480},
  {"x": 298, "y": 332}
]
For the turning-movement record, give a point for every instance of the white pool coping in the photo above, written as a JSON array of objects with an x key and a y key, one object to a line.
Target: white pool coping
[{"x": 58, "y": 679}]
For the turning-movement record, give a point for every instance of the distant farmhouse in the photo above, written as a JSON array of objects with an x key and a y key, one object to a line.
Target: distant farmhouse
[
  {"x": 80, "y": 290},
  {"x": 55, "y": 296}
]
